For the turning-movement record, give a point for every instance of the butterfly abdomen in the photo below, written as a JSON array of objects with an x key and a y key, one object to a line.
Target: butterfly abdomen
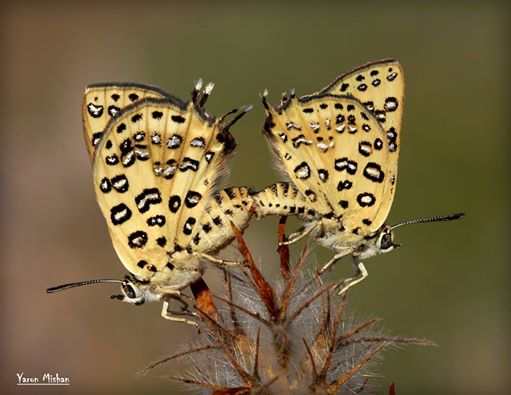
[
  {"x": 230, "y": 205},
  {"x": 282, "y": 199}
]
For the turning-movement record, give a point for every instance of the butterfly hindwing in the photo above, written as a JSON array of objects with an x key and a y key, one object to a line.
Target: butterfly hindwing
[
  {"x": 335, "y": 152},
  {"x": 103, "y": 101},
  {"x": 150, "y": 179}
]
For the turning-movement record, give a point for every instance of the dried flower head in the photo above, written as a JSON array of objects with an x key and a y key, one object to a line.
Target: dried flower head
[{"x": 288, "y": 336}]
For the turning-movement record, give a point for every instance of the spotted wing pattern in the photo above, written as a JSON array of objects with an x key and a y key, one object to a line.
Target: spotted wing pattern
[
  {"x": 380, "y": 86},
  {"x": 154, "y": 174},
  {"x": 335, "y": 152},
  {"x": 103, "y": 101}
]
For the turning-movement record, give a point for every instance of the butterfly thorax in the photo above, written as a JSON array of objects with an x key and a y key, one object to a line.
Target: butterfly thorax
[
  {"x": 341, "y": 237},
  {"x": 332, "y": 233}
]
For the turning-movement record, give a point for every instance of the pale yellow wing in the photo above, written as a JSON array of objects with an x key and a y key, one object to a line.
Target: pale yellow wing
[
  {"x": 154, "y": 171},
  {"x": 105, "y": 100},
  {"x": 335, "y": 152},
  {"x": 380, "y": 87}
]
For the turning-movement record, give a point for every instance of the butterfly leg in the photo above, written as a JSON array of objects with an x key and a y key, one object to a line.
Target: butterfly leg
[
  {"x": 218, "y": 261},
  {"x": 351, "y": 281},
  {"x": 334, "y": 259},
  {"x": 296, "y": 236},
  {"x": 173, "y": 315}
]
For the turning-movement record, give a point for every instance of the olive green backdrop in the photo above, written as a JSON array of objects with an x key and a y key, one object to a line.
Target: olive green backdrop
[{"x": 449, "y": 282}]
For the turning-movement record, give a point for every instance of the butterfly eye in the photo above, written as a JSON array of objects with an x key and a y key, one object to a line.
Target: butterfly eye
[
  {"x": 128, "y": 290},
  {"x": 386, "y": 241}
]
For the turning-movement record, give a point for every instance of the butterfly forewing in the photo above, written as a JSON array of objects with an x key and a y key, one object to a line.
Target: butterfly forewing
[
  {"x": 335, "y": 152},
  {"x": 380, "y": 87},
  {"x": 149, "y": 176},
  {"x": 103, "y": 101}
]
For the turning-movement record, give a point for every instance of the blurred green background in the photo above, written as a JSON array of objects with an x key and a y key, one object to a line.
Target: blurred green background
[{"x": 449, "y": 283}]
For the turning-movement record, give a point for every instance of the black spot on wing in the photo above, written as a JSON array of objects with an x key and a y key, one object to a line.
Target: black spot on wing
[
  {"x": 188, "y": 226},
  {"x": 126, "y": 146},
  {"x": 366, "y": 199},
  {"x": 95, "y": 111},
  {"x": 148, "y": 197},
  {"x": 139, "y": 136},
  {"x": 157, "y": 220},
  {"x": 121, "y": 128},
  {"x": 189, "y": 164},
  {"x": 105, "y": 185},
  {"x": 137, "y": 239},
  {"x": 344, "y": 185},
  {"x": 174, "y": 141},
  {"x": 365, "y": 148},
  {"x": 120, "y": 183},
  {"x": 345, "y": 164},
  {"x": 208, "y": 156},
  {"x": 391, "y": 104},
  {"x": 198, "y": 142},
  {"x": 157, "y": 114},
  {"x": 302, "y": 171},
  {"x": 373, "y": 172},
  {"x": 135, "y": 118},
  {"x": 192, "y": 199},
  {"x": 174, "y": 203},
  {"x": 311, "y": 195},
  {"x": 344, "y": 204},
  {"x": 299, "y": 140},
  {"x": 96, "y": 138},
  {"x": 178, "y": 118},
  {"x": 113, "y": 111},
  {"x": 133, "y": 96},
  {"x": 120, "y": 214},
  {"x": 323, "y": 175},
  {"x": 112, "y": 160}
]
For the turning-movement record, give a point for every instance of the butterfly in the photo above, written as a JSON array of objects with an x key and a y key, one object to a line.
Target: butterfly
[
  {"x": 156, "y": 163},
  {"x": 340, "y": 147}
]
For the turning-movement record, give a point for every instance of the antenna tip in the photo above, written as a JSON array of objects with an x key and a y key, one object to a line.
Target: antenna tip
[
  {"x": 209, "y": 87},
  {"x": 457, "y": 215},
  {"x": 198, "y": 84}
]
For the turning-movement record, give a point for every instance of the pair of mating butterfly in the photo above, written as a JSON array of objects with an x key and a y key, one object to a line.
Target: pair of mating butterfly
[{"x": 157, "y": 159}]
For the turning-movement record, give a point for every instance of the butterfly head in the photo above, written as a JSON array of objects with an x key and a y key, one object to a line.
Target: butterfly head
[
  {"x": 379, "y": 243},
  {"x": 383, "y": 240},
  {"x": 133, "y": 290}
]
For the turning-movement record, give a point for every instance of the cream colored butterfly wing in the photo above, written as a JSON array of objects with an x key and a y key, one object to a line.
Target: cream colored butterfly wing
[
  {"x": 335, "y": 152},
  {"x": 105, "y": 100},
  {"x": 380, "y": 86},
  {"x": 291, "y": 131},
  {"x": 154, "y": 171}
]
